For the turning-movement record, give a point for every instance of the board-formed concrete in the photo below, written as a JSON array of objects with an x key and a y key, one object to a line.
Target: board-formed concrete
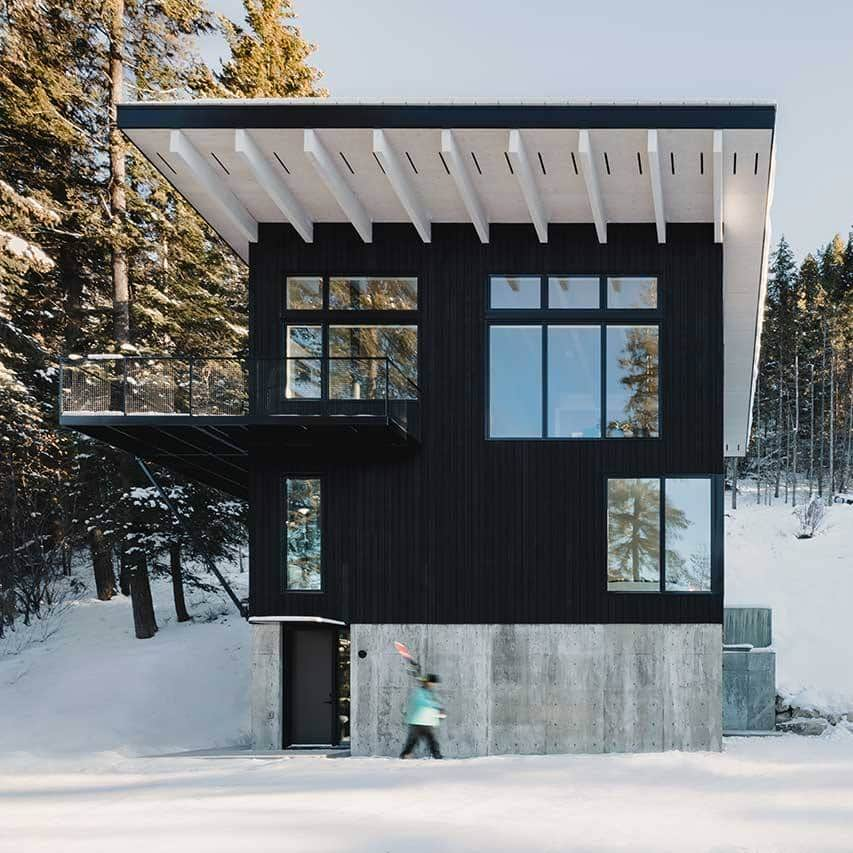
[
  {"x": 749, "y": 690},
  {"x": 544, "y": 688},
  {"x": 266, "y": 687}
]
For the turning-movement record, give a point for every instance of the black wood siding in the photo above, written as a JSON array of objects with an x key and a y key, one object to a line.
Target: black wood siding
[{"x": 464, "y": 529}]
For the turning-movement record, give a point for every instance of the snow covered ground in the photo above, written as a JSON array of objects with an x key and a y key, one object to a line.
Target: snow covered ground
[
  {"x": 93, "y": 687},
  {"x": 774, "y": 794},
  {"x": 809, "y": 585},
  {"x": 87, "y": 715}
]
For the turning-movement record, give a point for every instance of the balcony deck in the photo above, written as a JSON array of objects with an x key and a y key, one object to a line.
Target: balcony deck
[{"x": 202, "y": 416}]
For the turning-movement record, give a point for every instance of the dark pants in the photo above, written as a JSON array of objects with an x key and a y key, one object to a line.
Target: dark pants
[{"x": 415, "y": 734}]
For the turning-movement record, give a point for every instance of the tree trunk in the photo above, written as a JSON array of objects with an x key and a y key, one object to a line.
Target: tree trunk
[
  {"x": 144, "y": 621},
  {"x": 125, "y": 572},
  {"x": 848, "y": 458},
  {"x": 118, "y": 201},
  {"x": 796, "y": 429},
  {"x": 102, "y": 563},
  {"x": 178, "y": 582},
  {"x": 831, "y": 428},
  {"x": 811, "y": 434},
  {"x": 758, "y": 440},
  {"x": 822, "y": 415},
  {"x": 780, "y": 430}
]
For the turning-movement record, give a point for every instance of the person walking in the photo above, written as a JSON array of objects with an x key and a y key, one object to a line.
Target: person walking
[{"x": 423, "y": 716}]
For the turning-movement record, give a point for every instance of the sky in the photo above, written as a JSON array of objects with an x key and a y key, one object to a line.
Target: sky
[{"x": 797, "y": 54}]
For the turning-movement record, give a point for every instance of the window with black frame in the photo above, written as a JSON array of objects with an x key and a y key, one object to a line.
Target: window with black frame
[
  {"x": 350, "y": 338},
  {"x": 301, "y": 540},
  {"x": 659, "y": 534},
  {"x": 573, "y": 357}
]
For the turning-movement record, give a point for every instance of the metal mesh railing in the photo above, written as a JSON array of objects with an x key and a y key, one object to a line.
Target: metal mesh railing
[{"x": 226, "y": 386}]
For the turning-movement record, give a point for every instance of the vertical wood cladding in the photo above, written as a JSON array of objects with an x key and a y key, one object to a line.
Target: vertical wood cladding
[{"x": 469, "y": 530}]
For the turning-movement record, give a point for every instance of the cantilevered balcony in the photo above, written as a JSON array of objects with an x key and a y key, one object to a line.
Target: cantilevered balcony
[{"x": 201, "y": 415}]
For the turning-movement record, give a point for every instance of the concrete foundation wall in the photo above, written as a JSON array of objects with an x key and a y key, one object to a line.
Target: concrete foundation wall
[
  {"x": 266, "y": 686},
  {"x": 544, "y": 688},
  {"x": 749, "y": 690}
]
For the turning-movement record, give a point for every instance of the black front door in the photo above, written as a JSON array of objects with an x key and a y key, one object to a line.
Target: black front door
[{"x": 310, "y": 691}]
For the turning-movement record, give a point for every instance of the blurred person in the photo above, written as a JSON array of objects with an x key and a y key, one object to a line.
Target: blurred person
[{"x": 423, "y": 717}]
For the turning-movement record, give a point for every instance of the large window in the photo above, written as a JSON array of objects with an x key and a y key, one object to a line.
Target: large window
[
  {"x": 351, "y": 338},
  {"x": 562, "y": 366},
  {"x": 301, "y": 538},
  {"x": 659, "y": 534}
]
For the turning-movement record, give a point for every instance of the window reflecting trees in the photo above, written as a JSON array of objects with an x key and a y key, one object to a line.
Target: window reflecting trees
[
  {"x": 632, "y": 381},
  {"x": 302, "y": 545},
  {"x": 639, "y": 510}
]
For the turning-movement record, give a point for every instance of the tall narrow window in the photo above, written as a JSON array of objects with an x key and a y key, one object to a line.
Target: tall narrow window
[
  {"x": 515, "y": 382},
  {"x": 301, "y": 537},
  {"x": 633, "y": 535},
  {"x": 632, "y": 381},
  {"x": 574, "y": 381},
  {"x": 688, "y": 534},
  {"x": 304, "y": 365}
]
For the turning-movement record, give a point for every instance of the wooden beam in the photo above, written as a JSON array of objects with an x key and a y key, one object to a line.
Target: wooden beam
[
  {"x": 213, "y": 185},
  {"x": 335, "y": 182},
  {"x": 401, "y": 183},
  {"x": 657, "y": 187},
  {"x": 464, "y": 184},
  {"x": 590, "y": 177},
  {"x": 517, "y": 153},
  {"x": 273, "y": 184},
  {"x": 719, "y": 176}
]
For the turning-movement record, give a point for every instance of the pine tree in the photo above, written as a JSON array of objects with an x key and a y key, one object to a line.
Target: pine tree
[{"x": 269, "y": 60}]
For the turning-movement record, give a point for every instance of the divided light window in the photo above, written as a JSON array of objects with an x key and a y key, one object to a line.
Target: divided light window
[
  {"x": 301, "y": 542},
  {"x": 327, "y": 354},
  {"x": 563, "y": 366},
  {"x": 659, "y": 534}
]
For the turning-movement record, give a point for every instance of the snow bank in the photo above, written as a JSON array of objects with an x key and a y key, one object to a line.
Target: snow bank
[
  {"x": 809, "y": 585},
  {"x": 93, "y": 687}
]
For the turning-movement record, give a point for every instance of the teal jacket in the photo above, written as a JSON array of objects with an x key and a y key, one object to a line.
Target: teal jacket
[{"x": 423, "y": 708}]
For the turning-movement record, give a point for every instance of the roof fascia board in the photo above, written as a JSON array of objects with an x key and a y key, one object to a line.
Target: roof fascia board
[{"x": 188, "y": 116}]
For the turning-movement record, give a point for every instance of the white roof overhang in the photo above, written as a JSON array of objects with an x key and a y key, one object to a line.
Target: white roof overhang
[{"x": 304, "y": 161}]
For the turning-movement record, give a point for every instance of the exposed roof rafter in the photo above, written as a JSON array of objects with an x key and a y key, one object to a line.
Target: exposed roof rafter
[
  {"x": 273, "y": 184},
  {"x": 464, "y": 184},
  {"x": 517, "y": 153},
  {"x": 214, "y": 186},
  {"x": 657, "y": 187},
  {"x": 402, "y": 184},
  {"x": 335, "y": 182},
  {"x": 590, "y": 178},
  {"x": 719, "y": 176}
]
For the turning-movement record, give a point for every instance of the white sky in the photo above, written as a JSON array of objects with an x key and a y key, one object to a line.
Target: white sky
[{"x": 799, "y": 54}]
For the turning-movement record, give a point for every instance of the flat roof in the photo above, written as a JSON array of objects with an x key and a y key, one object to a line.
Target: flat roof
[
  {"x": 328, "y": 113},
  {"x": 313, "y": 160}
]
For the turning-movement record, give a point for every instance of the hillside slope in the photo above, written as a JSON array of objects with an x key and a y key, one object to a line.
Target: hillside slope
[
  {"x": 93, "y": 687},
  {"x": 809, "y": 585}
]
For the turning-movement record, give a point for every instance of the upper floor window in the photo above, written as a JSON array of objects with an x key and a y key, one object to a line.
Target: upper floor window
[
  {"x": 373, "y": 294},
  {"x": 561, "y": 366},
  {"x": 353, "y": 337},
  {"x": 351, "y": 293},
  {"x": 659, "y": 534}
]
